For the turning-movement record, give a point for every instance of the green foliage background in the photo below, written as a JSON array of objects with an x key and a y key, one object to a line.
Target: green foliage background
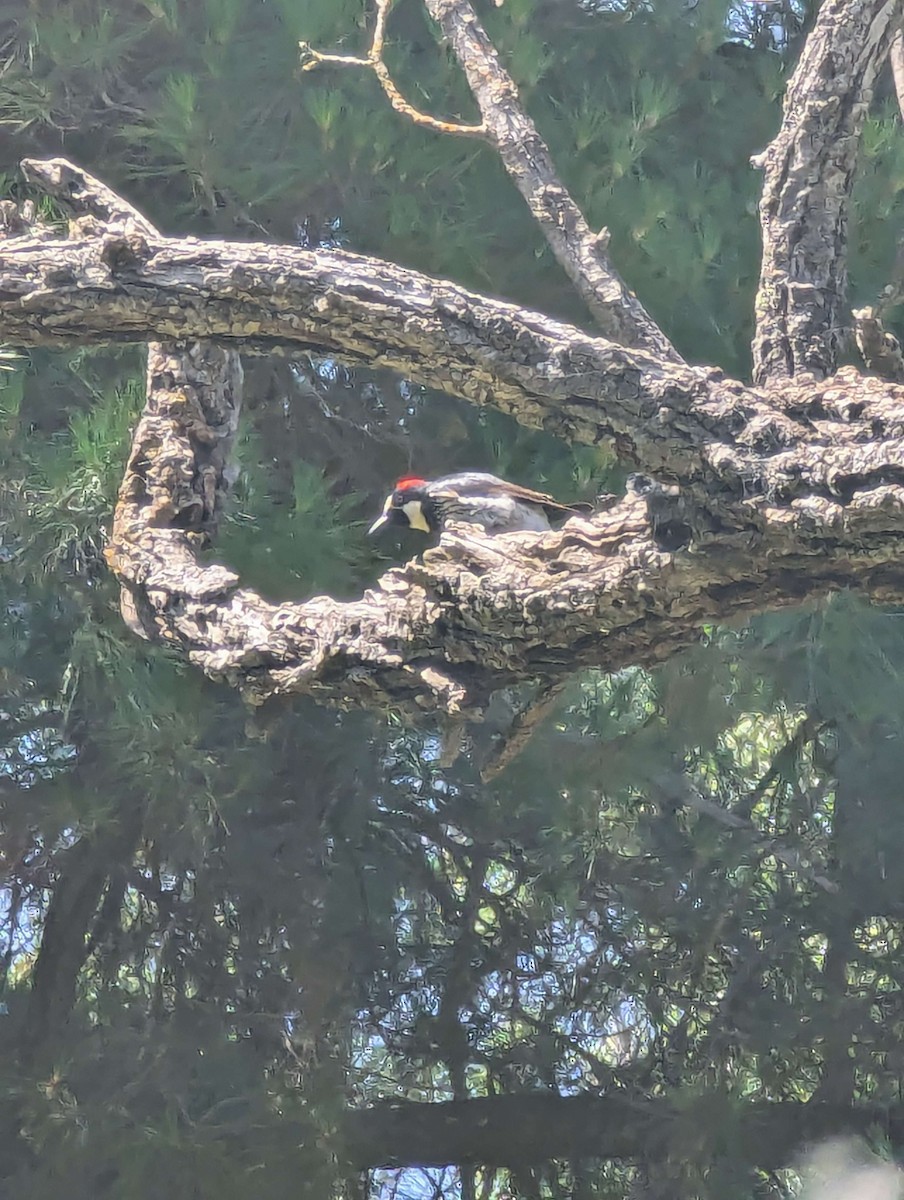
[{"x": 220, "y": 930}]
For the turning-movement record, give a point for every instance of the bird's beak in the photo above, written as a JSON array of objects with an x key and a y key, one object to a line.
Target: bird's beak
[{"x": 383, "y": 518}]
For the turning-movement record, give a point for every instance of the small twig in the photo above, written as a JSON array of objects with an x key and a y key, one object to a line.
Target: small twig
[
  {"x": 522, "y": 730},
  {"x": 374, "y": 62},
  {"x": 116, "y": 106}
]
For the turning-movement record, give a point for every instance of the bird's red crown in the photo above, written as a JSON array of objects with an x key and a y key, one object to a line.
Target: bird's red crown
[{"x": 409, "y": 481}]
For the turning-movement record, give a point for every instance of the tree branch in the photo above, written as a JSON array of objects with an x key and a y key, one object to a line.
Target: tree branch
[
  {"x": 689, "y": 424},
  {"x": 522, "y": 1130},
  {"x": 476, "y": 613},
  {"x": 809, "y": 169},
  {"x": 774, "y": 499},
  {"x": 119, "y": 287},
  {"x": 523, "y": 728},
  {"x": 581, "y": 253},
  {"x": 676, "y": 788},
  {"x": 81, "y": 194},
  {"x": 100, "y": 211},
  {"x": 506, "y": 126},
  {"x": 896, "y": 58},
  {"x": 312, "y": 59}
]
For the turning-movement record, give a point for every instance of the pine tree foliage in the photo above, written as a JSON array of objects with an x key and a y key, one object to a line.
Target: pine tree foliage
[{"x": 223, "y": 930}]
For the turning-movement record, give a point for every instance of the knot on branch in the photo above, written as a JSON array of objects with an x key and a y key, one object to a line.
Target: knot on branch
[
  {"x": 16, "y": 220},
  {"x": 879, "y": 349},
  {"x": 121, "y": 251},
  {"x": 22, "y": 220}
]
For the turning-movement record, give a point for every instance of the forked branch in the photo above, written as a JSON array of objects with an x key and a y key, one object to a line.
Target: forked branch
[
  {"x": 582, "y": 253},
  {"x": 311, "y": 59},
  {"x": 509, "y": 130},
  {"x": 771, "y": 497},
  {"x": 778, "y": 498}
]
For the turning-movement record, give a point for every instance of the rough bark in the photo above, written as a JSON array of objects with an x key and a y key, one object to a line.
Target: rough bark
[
  {"x": 768, "y": 503},
  {"x": 809, "y": 170},
  {"x": 545, "y": 373},
  {"x": 763, "y": 498},
  {"x": 475, "y": 614},
  {"x": 98, "y": 210}
]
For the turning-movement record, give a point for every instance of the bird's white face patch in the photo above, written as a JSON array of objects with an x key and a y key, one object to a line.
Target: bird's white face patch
[{"x": 414, "y": 511}]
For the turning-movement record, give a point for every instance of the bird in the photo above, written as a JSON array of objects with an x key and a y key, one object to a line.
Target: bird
[{"x": 472, "y": 497}]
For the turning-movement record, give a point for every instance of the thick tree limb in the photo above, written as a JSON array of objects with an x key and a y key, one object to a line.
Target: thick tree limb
[
  {"x": 665, "y": 418},
  {"x": 809, "y": 169},
  {"x": 689, "y": 424},
  {"x": 774, "y": 501},
  {"x": 545, "y": 373},
  {"x": 100, "y": 211},
  {"x": 527, "y": 1129},
  {"x": 477, "y": 613}
]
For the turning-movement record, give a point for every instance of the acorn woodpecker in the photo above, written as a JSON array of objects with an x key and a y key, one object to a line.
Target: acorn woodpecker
[{"x": 472, "y": 497}]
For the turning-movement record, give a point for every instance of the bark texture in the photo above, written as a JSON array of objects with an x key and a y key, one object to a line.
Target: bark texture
[
  {"x": 751, "y": 498},
  {"x": 809, "y": 170},
  {"x": 768, "y": 501},
  {"x": 129, "y": 287},
  {"x": 754, "y": 499},
  {"x": 752, "y": 531}
]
